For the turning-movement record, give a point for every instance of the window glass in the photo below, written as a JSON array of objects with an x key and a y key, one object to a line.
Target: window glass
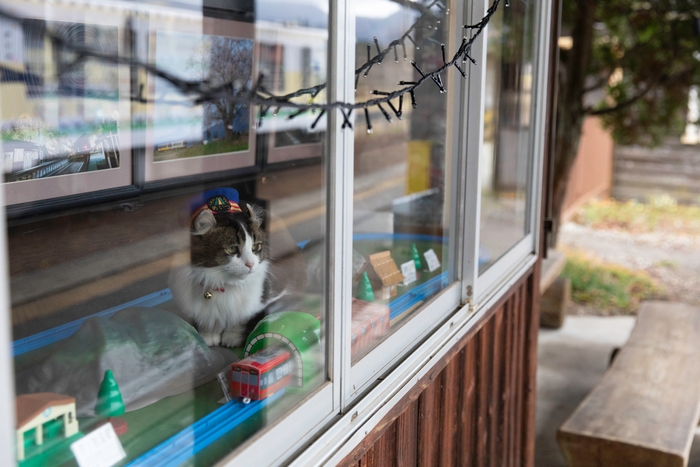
[
  {"x": 166, "y": 265},
  {"x": 400, "y": 254},
  {"x": 507, "y": 155}
]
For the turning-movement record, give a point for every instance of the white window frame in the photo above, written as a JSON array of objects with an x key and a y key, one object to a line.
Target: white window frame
[
  {"x": 330, "y": 422},
  {"x": 364, "y": 373},
  {"x": 489, "y": 282}
]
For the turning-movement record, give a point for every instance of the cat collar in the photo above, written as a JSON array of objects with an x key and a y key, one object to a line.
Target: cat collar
[{"x": 208, "y": 293}]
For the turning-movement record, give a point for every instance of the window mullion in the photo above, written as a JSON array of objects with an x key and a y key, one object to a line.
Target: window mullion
[
  {"x": 474, "y": 130},
  {"x": 340, "y": 181},
  {"x": 7, "y": 396}
]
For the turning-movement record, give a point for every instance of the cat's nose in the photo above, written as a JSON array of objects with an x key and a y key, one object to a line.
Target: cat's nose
[{"x": 250, "y": 265}]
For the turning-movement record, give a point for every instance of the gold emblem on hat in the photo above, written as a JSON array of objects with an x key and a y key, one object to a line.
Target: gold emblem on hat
[{"x": 219, "y": 204}]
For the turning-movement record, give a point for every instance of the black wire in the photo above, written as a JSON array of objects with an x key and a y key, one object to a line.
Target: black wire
[{"x": 201, "y": 92}]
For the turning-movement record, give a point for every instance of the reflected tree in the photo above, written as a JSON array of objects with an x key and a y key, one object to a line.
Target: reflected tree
[{"x": 225, "y": 63}]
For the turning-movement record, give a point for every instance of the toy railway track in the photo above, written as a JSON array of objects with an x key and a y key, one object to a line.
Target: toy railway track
[
  {"x": 182, "y": 446},
  {"x": 417, "y": 294}
]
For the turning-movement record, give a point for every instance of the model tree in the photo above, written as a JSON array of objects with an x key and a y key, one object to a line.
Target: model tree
[
  {"x": 109, "y": 398},
  {"x": 416, "y": 257},
  {"x": 364, "y": 289}
]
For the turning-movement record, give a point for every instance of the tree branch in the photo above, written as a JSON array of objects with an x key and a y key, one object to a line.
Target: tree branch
[
  {"x": 622, "y": 105},
  {"x": 598, "y": 84}
]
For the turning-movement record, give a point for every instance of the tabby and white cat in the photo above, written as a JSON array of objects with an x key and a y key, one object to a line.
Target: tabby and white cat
[{"x": 235, "y": 276}]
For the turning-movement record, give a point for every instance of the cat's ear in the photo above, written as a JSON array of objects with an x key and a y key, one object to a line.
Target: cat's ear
[
  {"x": 204, "y": 222},
  {"x": 254, "y": 214}
]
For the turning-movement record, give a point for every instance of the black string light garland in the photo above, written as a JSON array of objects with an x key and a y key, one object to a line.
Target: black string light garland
[{"x": 258, "y": 95}]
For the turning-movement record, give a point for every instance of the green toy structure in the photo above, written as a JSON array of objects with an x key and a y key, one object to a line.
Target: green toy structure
[
  {"x": 299, "y": 332},
  {"x": 364, "y": 289},
  {"x": 109, "y": 398}
]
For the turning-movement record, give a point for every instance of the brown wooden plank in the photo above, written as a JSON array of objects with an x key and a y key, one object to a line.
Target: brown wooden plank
[
  {"x": 468, "y": 411},
  {"x": 483, "y": 363},
  {"x": 531, "y": 310},
  {"x": 507, "y": 391},
  {"x": 407, "y": 436},
  {"x": 495, "y": 392},
  {"x": 648, "y": 401},
  {"x": 385, "y": 448},
  {"x": 449, "y": 406},
  {"x": 519, "y": 380},
  {"x": 429, "y": 421},
  {"x": 672, "y": 327},
  {"x": 516, "y": 383},
  {"x": 368, "y": 459}
]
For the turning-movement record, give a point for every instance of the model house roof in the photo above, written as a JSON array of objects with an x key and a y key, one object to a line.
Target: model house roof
[
  {"x": 30, "y": 405},
  {"x": 386, "y": 268}
]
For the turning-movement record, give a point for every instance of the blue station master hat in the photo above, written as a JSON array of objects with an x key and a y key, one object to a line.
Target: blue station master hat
[{"x": 217, "y": 200}]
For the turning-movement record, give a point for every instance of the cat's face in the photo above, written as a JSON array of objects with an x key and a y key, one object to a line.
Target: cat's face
[{"x": 232, "y": 242}]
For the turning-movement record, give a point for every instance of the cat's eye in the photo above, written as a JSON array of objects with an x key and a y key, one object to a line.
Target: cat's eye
[
  {"x": 257, "y": 247},
  {"x": 231, "y": 250}
]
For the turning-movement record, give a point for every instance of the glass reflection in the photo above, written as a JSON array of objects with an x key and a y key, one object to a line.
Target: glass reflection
[
  {"x": 400, "y": 207},
  {"x": 135, "y": 209},
  {"x": 506, "y": 155}
]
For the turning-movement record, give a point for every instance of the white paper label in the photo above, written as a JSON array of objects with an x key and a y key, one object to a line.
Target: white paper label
[
  {"x": 408, "y": 269},
  {"x": 432, "y": 259},
  {"x": 99, "y": 448}
]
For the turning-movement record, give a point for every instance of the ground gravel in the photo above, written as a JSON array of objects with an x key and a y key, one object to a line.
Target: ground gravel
[{"x": 671, "y": 259}]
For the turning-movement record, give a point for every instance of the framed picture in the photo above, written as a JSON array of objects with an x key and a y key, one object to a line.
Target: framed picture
[
  {"x": 65, "y": 119},
  {"x": 183, "y": 138},
  {"x": 291, "y": 57}
]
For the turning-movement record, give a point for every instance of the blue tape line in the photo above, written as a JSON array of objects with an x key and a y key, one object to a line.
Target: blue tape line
[
  {"x": 400, "y": 236},
  {"x": 27, "y": 344},
  {"x": 188, "y": 442},
  {"x": 417, "y": 294}
]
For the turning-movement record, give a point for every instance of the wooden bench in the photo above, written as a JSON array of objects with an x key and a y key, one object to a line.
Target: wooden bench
[
  {"x": 555, "y": 291},
  {"x": 645, "y": 409}
]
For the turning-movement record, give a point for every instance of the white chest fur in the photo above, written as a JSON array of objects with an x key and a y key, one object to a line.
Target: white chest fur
[{"x": 235, "y": 305}]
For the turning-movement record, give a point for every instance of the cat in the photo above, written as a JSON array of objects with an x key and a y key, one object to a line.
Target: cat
[{"x": 238, "y": 273}]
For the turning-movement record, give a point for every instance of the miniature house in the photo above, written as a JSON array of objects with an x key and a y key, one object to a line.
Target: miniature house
[
  {"x": 383, "y": 274},
  {"x": 34, "y": 410}
]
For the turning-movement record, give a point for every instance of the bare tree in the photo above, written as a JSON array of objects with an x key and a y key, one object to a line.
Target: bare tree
[{"x": 225, "y": 61}]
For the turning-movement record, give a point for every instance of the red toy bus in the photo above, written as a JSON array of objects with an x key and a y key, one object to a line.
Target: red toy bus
[{"x": 262, "y": 374}]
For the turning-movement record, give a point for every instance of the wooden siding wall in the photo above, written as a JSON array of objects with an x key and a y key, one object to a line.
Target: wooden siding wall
[
  {"x": 671, "y": 168},
  {"x": 476, "y": 407},
  {"x": 591, "y": 174}
]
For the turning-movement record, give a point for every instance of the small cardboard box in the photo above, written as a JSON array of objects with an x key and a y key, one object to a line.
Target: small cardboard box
[{"x": 370, "y": 322}]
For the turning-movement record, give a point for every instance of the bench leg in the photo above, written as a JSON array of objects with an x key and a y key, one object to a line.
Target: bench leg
[{"x": 553, "y": 303}]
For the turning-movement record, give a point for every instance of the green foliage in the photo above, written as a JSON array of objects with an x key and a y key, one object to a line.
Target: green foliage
[
  {"x": 644, "y": 58},
  {"x": 607, "y": 287},
  {"x": 661, "y": 214}
]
